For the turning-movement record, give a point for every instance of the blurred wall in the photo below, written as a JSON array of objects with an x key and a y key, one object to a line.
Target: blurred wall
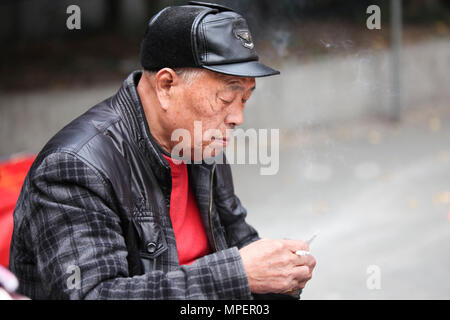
[
  {"x": 329, "y": 74},
  {"x": 28, "y": 120},
  {"x": 319, "y": 92},
  {"x": 350, "y": 87},
  {"x": 36, "y": 19}
]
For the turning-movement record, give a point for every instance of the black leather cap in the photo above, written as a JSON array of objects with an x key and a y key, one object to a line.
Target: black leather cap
[{"x": 201, "y": 35}]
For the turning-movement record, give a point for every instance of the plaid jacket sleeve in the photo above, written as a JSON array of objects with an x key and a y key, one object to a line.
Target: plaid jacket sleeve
[{"x": 68, "y": 223}]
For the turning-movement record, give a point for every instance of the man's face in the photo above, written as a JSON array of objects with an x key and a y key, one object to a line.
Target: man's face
[{"x": 209, "y": 108}]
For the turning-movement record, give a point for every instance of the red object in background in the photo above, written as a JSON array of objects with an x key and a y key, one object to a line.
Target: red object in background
[{"x": 12, "y": 175}]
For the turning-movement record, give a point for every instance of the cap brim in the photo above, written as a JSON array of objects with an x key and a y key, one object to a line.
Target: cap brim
[{"x": 252, "y": 69}]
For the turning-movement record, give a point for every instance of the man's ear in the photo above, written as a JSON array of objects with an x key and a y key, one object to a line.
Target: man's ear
[{"x": 165, "y": 81}]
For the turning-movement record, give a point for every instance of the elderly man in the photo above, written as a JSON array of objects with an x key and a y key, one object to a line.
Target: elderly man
[{"x": 107, "y": 212}]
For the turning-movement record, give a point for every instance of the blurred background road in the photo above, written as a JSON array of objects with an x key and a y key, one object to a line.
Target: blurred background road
[
  {"x": 377, "y": 192},
  {"x": 363, "y": 116}
]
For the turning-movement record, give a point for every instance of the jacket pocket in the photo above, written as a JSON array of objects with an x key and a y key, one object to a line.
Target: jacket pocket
[{"x": 151, "y": 237}]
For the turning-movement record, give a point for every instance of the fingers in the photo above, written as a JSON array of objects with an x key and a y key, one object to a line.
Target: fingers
[
  {"x": 298, "y": 259},
  {"x": 273, "y": 266},
  {"x": 307, "y": 260},
  {"x": 295, "y": 245},
  {"x": 302, "y": 275},
  {"x": 303, "y": 271},
  {"x": 302, "y": 285}
]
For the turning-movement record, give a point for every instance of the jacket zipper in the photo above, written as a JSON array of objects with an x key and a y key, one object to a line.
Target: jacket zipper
[{"x": 210, "y": 207}]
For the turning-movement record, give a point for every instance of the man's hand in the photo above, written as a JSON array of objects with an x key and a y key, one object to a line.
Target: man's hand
[{"x": 273, "y": 267}]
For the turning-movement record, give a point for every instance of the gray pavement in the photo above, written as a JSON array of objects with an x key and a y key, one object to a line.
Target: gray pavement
[{"x": 378, "y": 193}]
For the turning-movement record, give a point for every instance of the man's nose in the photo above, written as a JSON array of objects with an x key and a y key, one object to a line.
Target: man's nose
[{"x": 236, "y": 116}]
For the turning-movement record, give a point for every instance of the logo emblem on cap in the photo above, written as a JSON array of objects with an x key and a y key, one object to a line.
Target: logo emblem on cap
[{"x": 245, "y": 38}]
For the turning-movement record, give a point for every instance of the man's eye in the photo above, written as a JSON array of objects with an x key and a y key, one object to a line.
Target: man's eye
[{"x": 227, "y": 96}]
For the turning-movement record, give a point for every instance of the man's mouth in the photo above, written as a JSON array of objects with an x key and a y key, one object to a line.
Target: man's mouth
[{"x": 223, "y": 141}]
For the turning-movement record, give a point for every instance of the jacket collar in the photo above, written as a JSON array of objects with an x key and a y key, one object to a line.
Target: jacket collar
[
  {"x": 200, "y": 175},
  {"x": 130, "y": 106}
]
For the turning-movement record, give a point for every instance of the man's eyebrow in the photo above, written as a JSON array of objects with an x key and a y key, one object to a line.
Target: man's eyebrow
[{"x": 236, "y": 86}]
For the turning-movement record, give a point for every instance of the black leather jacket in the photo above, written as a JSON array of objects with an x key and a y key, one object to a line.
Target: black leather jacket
[
  {"x": 102, "y": 180},
  {"x": 149, "y": 184}
]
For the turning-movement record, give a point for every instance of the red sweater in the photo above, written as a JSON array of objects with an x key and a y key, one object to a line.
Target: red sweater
[{"x": 190, "y": 235}]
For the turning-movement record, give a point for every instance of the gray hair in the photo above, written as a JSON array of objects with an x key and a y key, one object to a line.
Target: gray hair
[{"x": 186, "y": 74}]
